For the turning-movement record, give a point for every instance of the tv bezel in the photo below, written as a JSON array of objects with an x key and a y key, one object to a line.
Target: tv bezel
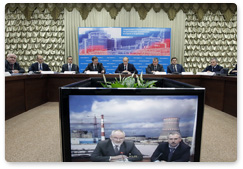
[{"x": 65, "y": 92}]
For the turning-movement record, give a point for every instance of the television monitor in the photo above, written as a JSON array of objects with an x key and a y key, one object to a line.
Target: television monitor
[{"x": 147, "y": 116}]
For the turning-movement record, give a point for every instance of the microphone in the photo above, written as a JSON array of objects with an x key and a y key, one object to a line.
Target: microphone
[
  {"x": 122, "y": 157},
  {"x": 157, "y": 157}
]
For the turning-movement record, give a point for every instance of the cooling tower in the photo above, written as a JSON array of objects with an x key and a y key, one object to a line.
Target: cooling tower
[{"x": 169, "y": 125}]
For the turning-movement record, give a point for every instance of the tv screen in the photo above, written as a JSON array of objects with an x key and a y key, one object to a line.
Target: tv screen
[
  {"x": 146, "y": 120},
  {"x": 147, "y": 117}
]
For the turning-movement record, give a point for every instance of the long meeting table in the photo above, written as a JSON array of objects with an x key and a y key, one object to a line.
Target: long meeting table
[{"x": 24, "y": 92}]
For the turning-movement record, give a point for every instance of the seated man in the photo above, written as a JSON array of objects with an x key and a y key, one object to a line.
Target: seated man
[
  {"x": 154, "y": 67},
  {"x": 174, "y": 67},
  {"x": 126, "y": 68},
  {"x": 11, "y": 65},
  {"x": 214, "y": 67},
  {"x": 116, "y": 149},
  {"x": 70, "y": 66},
  {"x": 95, "y": 66},
  {"x": 175, "y": 150},
  {"x": 234, "y": 71},
  {"x": 39, "y": 65}
]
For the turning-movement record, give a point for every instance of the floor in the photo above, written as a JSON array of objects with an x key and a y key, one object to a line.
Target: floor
[{"x": 35, "y": 136}]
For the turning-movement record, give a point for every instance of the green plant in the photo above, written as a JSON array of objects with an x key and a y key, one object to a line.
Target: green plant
[{"x": 129, "y": 82}]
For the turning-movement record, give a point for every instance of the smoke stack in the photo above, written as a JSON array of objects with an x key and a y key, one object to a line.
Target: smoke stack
[{"x": 102, "y": 128}]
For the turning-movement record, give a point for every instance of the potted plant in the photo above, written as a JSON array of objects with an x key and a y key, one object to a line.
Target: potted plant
[{"x": 129, "y": 82}]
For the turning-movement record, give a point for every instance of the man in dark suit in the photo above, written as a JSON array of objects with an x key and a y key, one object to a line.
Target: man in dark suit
[
  {"x": 234, "y": 71},
  {"x": 154, "y": 67},
  {"x": 11, "y": 65},
  {"x": 70, "y": 66},
  {"x": 214, "y": 67},
  {"x": 39, "y": 65},
  {"x": 126, "y": 68},
  {"x": 174, "y": 67},
  {"x": 116, "y": 149},
  {"x": 175, "y": 150},
  {"x": 95, "y": 66}
]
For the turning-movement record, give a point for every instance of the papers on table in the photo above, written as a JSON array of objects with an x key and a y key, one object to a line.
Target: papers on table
[
  {"x": 159, "y": 73},
  {"x": 47, "y": 72},
  {"x": 69, "y": 72},
  {"x": 206, "y": 73},
  {"x": 187, "y": 73},
  {"x": 91, "y": 72}
]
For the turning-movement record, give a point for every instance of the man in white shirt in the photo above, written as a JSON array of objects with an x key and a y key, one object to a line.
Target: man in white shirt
[
  {"x": 69, "y": 66},
  {"x": 39, "y": 65},
  {"x": 95, "y": 66},
  {"x": 116, "y": 149},
  {"x": 175, "y": 150}
]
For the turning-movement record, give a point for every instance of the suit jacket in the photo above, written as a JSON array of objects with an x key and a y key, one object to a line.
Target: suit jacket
[
  {"x": 74, "y": 68},
  {"x": 131, "y": 68},
  {"x": 181, "y": 153},
  {"x": 178, "y": 66},
  {"x": 231, "y": 72},
  {"x": 91, "y": 68},
  {"x": 34, "y": 67},
  {"x": 104, "y": 150},
  {"x": 8, "y": 67},
  {"x": 210, "y": 68},
  {"x": 150, "y": 68}
]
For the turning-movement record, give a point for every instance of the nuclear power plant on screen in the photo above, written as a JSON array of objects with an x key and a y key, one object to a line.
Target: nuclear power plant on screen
[{"x": 171, "y": 124}]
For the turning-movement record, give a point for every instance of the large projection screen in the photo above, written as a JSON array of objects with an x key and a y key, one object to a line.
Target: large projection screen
[{"x": 110, "y": 45}]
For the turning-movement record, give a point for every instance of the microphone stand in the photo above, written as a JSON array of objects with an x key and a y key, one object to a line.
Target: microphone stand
[
  {"x": 158, "y": 157},
  {"x": 122, "y": 157}
]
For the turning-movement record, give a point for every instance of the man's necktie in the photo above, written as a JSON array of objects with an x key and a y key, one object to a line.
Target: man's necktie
[
  {"x": 40, "y": 67},
  {"x": 174, "y": 68},
  {"x": 116, "y": 149},
  {"x": 155, "y": 68},
  {"x": 95, "y": 68},
  {"x": 12, "y": 66},
  {"x": 69, "y": 67},
  {"x": 171, "y": 153},
  {"x": 125, "y": 67}
]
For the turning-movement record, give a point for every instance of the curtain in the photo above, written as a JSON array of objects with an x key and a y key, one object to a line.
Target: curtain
[
  {"x": 73, "y": 20},
  {"x": 213, "y": 37},
  {"x": 39, "y": 36}
]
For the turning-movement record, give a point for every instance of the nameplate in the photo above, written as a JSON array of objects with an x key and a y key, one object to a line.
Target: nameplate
[
  {"x": 159, "y": 73},
  {"x": 91, "y": 72},
  {"x": 69, "y": 72},
  {"x": 187, "y": 73},
  {"x": 47, "y": 72},
  {"x": 7, "y": 74},
  {"x": 206, "y": 73}
]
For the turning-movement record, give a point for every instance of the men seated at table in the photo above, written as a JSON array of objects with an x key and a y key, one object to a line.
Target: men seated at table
[
  {"x": 234, "y": 71},
  {"x": 154, "y": 67},
  {"x": 175, "y": 150},
  {"x": 126, "y": 68},
  {"x": 11, "y": 65},
  {"x": 174, "y": 68},
  {"x": 95, "y": 66},
  {"x": 116, "y": 149},
  {"x": 214, "y": 67},
  {"x": 69, "y": 66},
  {"x": 39, "y": 65}
]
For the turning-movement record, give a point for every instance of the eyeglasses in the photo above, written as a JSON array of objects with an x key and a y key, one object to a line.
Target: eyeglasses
[
  {"x": 116, "y": 138},
  {"x": 12, "y": 57}
]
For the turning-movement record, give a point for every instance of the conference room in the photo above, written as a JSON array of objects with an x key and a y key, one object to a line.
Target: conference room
[{"x": 52, "y": 48}]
